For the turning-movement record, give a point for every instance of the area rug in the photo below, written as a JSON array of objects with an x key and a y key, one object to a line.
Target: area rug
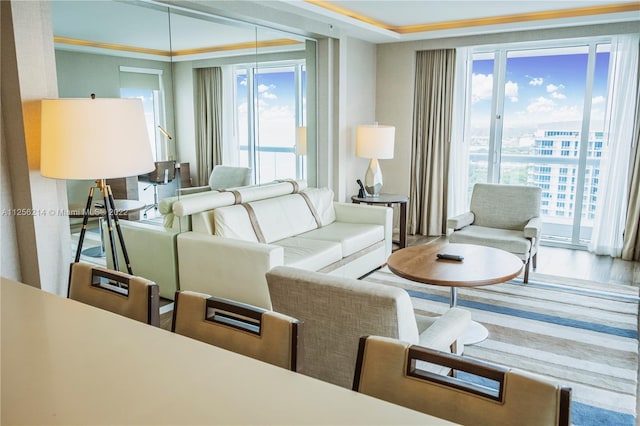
[{"x": 577, "y": 333}]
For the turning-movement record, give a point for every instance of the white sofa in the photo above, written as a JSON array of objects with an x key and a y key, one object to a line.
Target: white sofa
[{"x": 224, "y": 242}]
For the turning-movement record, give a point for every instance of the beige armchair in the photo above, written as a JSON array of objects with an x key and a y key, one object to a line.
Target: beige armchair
[
  {"x": 506, "y": 217},
  {"x": 337, "y": 311},
  {"x": 222, "y": 177}
]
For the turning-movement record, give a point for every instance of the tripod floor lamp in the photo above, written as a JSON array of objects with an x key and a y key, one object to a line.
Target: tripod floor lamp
[{"x": 95, "y": 139}]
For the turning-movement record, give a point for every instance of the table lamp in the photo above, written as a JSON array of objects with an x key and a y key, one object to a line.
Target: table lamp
[
  {"x": 95, "y": 139},
  {"x": 374, "y": 142}
]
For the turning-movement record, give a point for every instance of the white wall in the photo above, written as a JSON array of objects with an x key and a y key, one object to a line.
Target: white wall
[
  {"x": 395, "y": 83},
  {"x": 42, "y": 240},
  {"x": 359, "y": 108}
]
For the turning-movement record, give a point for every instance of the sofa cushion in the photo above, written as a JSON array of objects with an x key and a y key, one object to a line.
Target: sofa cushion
[
  {"x": 353, "y": 237},
  {"x": 511, "y": 241},
  {"x": 309, "y": 254},
  {"x": 275, "y": 218}
]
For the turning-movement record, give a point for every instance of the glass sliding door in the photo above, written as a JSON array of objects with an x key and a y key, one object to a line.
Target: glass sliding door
[
  {"x": 267, "y": 131},
  {"x": 541, "y": 123}
]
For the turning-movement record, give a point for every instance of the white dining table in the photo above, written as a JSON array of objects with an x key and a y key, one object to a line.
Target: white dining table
[{"x": 64, "y": 362}]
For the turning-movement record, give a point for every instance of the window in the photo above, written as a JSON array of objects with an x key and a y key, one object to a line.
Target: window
[
  {"x": 266, "y": 132},
  {"x": 528, "y": 113},
  {"x": 146, "y": 84}
]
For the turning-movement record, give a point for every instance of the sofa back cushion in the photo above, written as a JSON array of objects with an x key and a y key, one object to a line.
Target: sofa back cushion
[{"x": 276, "y": 218}]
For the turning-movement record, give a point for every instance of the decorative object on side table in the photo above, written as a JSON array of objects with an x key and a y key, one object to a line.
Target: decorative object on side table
[
  {"x": 95, "y": 139},
  {"x": 374, "y": 142}
]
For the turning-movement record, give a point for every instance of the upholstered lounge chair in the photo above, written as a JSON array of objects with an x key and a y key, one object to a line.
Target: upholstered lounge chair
[
  {"x": 265, "y": 335},
  {"x": 392, "y": 370},
  {"x": 506, "y": 217},
  {"x": 337, "y": 311},
  {"x": 222, "y": 177},
  {"x": 128, "y": 295}
]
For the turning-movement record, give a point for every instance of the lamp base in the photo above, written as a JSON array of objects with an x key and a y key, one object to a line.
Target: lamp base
[{"x": 373, "y": 178}]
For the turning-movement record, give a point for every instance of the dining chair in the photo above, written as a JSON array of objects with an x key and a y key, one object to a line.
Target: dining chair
[
  {"x": 337, "y": 311},
  {"x": 124, "y": 294},
  {"x": 245, "y": 329},
  {"x": 474, "y": 393}
]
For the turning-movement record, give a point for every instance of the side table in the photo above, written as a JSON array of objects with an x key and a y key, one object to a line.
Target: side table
[{"x": 389, "y": 200}]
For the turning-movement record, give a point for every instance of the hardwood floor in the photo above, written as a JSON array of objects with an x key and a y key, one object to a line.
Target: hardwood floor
[{"x": 572, "y": 263}]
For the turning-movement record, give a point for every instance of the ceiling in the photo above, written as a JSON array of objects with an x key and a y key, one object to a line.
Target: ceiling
[{"x": 377, "y": 21}]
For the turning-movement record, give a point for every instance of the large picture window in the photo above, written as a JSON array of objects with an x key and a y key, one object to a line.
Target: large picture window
[
  {"x": 536, "y": 116},
  {"x": 269, "y": 104}
]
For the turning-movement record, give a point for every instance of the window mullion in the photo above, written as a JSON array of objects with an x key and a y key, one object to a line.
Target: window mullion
[
  {"x": 497, "y": 113},
  {"x": 584, "y": 144}
]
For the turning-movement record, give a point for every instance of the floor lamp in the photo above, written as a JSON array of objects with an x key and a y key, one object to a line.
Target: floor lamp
[{"x": 95, "y": 139}]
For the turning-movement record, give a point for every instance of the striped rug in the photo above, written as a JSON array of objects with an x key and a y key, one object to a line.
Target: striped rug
[{"x": 578, "y": 333}]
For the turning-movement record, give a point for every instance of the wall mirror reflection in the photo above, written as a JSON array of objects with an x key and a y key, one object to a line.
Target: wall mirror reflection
[{"x": 215, "y": 90}]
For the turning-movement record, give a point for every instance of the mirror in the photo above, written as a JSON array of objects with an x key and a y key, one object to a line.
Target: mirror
[{"x": 116, "y": 49}]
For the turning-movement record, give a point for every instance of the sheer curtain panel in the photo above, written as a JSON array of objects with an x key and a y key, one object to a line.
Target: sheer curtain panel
[{"x": 611, "y": 214}]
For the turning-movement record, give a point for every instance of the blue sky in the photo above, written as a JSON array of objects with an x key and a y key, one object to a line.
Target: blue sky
[
  {"x": 539, "y": 89},
  {"x": 276, "y": 106}
]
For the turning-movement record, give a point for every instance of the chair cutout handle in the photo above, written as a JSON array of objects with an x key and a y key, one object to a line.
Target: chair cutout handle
[
  {"x": 110, "y": 282},
  {"x": 234, "y": 314},
  {"x": 457, "y": 363}
]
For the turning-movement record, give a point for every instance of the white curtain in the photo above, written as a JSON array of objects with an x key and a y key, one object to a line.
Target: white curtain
[
  {"x": 458, "y": 154},
  {"x": 609, "y": 225}
]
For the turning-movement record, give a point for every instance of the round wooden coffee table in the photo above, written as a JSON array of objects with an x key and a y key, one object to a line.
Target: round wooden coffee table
[{"x": 481, "y": 266}]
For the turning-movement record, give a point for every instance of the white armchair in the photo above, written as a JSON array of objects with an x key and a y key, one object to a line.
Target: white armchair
[{"x": 506, "y": 217}]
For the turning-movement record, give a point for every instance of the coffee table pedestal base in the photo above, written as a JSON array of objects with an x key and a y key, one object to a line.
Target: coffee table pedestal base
[{"x": 475, "y": 333}]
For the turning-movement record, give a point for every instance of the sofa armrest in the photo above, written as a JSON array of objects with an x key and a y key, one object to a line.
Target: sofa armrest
[
  {"x": 363, "y": 213},
  {"x": 152, "y": 253},
  {"x": 192, "y": 190},
  {"x": 460, "y": 221},
  {"x": 228, "y": 268},
  {"x": 533, "y": 228},
  {"x": 445, "y": 330}
]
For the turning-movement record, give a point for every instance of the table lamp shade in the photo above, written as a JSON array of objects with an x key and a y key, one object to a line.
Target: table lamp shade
[
  {"x": 301, "y": 140},
  {"x": 94, "y": 139},
  {"x": 375, "y": 141}
]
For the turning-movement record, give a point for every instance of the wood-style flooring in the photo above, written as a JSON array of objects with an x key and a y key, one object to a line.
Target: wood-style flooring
[{"x": 579, "y": 264}]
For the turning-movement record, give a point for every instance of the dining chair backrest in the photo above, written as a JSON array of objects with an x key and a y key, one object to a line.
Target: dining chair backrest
[
  {"x": 124, "y": 294},
  {"x": 478, "y": 393},
  {"x": 249, "y": 330}
]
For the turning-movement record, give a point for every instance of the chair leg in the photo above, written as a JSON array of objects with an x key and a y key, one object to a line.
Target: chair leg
[
  {"x": 535, "y": 261},
  {"x": 526, "y": 271}
]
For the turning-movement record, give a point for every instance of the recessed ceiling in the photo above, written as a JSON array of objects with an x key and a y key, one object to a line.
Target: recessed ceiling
[{"x": 126, "y": 23}]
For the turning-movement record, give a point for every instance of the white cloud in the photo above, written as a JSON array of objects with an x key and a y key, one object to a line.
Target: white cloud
[
  {"x": 536, "y": 81},
  {"x": 557, "y": 95},
  {"x": 597, "y": 100},
  {"x": 269, "y": 95},
  {"x": 511, "y": 91},
  {"x": 553, "y": 88},
  {"x": 481, "y": 87},
  {"x": 264, "y": 87},
  {"x": 243, "y": 82},
  {"x": 541, "y": 104}
]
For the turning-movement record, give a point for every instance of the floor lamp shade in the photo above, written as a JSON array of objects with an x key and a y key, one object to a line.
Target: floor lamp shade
[
  {"x": 94, "y": 139},
  {"x": 374, "y": 142}
]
